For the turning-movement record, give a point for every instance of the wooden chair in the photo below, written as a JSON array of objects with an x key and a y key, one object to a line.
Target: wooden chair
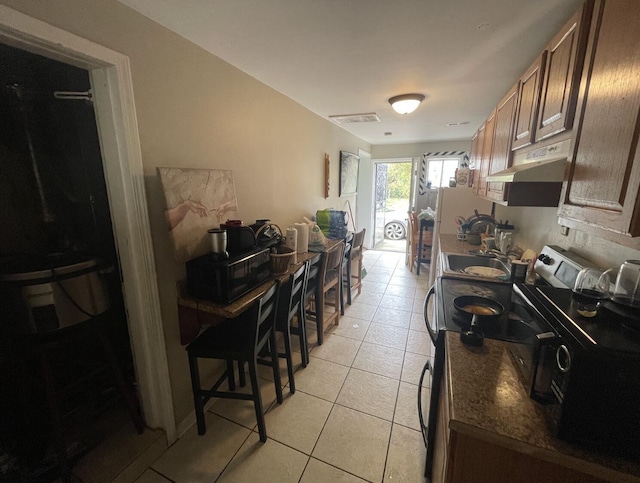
[
  {"x": 327, "y": 283},
  {"x": 417, "y": 255},
  {"x": 240, "y": 339},
  {"x": 331, "y": 287},
  {"x": 355, "y": 257}
]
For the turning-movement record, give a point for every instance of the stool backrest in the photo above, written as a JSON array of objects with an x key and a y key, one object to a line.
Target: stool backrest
[
  {"x": 315, "y": 269},
  {"x": 265, "y": 310},
  {"x": 291, "y": 294},
  {"x": 334, "y": 261},
  {"x": 358, "y": 243}
]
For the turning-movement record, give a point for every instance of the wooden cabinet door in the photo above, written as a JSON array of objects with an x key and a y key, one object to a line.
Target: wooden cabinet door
[
  {"x": 501, "y": 146},
  {"x": 604, "y": 178},
  {"x": 565, "y": 58},
  {"x": 528, "y": 104},
  {"x": 475, "y": 157},
  {"x": 485, "y": 162},
  {"x": 477, "y": 146}
]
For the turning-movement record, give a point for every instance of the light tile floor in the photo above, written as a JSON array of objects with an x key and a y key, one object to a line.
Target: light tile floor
[{"x": 354, "y": 415}]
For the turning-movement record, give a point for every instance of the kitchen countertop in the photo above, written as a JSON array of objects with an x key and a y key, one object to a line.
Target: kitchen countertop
[
  {"x": 488, "y": 401},
  {"x": 451, "y": 244}
]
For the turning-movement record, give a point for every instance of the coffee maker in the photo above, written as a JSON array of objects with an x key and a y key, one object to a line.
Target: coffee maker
[{"x": 240, "y": 238}]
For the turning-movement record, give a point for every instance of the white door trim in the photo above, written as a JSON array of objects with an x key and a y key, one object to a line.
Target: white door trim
[{"x": 122, "y": 159}]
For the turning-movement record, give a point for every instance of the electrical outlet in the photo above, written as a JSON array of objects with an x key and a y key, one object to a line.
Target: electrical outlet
[{"x": 564, "y": 230}]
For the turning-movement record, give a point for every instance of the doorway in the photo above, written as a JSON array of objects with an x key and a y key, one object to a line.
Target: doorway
[
  {"x": 55, "y": 207},
  {"x": 112, "y": 86},
  {"x": 393, "y": 186}
]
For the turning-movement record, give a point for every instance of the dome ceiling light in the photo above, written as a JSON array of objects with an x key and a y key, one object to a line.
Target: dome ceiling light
[{"x": 406, "y": 103}]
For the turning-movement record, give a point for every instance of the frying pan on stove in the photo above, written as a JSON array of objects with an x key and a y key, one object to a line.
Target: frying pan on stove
[
  {"x": 483, "y": 307},
  {"x": 481, "y": 313}
]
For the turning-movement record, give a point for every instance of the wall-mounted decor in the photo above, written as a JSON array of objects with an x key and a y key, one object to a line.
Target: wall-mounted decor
[
  {"x": 197, "y": 200},
  {"x": 349, "y": 164},
  {"x": 327, "y": 175}
]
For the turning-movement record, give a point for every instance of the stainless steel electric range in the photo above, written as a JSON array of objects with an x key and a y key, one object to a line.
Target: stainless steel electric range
[{"x": 560, "y": 355}]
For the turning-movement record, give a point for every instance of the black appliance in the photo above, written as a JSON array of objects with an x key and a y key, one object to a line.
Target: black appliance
[
  {"x": 224, "y": 281},
  {"x": 588, "y": 373},
  {"x": 519, "y": 325},
  {"x": 583, "y": 371},
  {"x": 240, "y": 239}
]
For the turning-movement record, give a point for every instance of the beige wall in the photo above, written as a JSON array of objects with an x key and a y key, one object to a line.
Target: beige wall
[
  {"x": 536, "y": 227},
  {"x": 194, "y": 110}
]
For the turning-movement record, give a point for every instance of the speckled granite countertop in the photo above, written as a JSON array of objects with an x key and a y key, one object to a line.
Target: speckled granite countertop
[
  {"x": 451, "y": 244},
  {"x": 488, "y": 401}
]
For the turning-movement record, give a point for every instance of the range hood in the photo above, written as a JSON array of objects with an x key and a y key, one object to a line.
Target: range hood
[
  {"x": 536, "y": 171},
  {"x": 541, "y": 165}
]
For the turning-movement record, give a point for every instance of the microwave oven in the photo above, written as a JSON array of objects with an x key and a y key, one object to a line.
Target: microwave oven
[{"x": 225, "y": 281}]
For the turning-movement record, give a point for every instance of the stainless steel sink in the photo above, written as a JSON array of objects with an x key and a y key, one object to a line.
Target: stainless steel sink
[{"x": 456, "y": 264}]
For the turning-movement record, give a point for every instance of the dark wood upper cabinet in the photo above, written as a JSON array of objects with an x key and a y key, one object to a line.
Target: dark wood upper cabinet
[
  {"x": 565, "y": 58},
  {"x": 485, "y": 162},
  {"x": 604, "y": 178},
  {"x": 501, "y": 147},
  {"x": 475, "y": 158},
  {"x": 528, "y": 103}
]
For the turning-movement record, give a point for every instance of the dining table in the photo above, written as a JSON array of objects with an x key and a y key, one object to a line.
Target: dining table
[{"x": 195, "y": 313}]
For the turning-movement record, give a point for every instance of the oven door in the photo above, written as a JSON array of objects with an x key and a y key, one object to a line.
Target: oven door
[
  {"x": 432, "y": 324},
  {"x": 428, "y": 367},
  {"x": 435, "y": 368}
]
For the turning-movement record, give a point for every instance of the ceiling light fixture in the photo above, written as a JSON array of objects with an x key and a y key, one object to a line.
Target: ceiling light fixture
[{"x": 406, "y": 103}]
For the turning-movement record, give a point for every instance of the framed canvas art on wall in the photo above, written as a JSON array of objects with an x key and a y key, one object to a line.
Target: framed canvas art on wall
[{"x": 349, "y": 164}]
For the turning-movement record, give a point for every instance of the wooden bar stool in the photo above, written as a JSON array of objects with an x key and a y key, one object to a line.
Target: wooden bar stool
[{"x": 330, "y": 283}]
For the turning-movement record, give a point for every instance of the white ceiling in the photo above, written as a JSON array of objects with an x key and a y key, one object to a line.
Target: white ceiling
[{"x": 350, "y": 56}]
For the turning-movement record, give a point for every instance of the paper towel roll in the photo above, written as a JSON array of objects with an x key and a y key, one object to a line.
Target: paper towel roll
[
  {"x": 303, "y": 237},
  {"x": 291, "y": 241}
]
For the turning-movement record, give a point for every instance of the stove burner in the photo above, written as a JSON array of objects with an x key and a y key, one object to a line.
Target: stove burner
[{"x": 468, "y": 289}]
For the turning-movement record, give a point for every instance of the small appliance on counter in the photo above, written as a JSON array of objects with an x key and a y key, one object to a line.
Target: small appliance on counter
[
  {"x": 585, "y": 368},
  {"x": 240, "y": 238},
  {"x": 267, "y": 234},
  {"x": 224, "y": 281},
  {"x": 218, "y": 238},
  {"x": 627, "y": 287}
]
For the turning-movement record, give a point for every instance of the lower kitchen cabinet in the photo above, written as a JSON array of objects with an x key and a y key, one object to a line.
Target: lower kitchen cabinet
[
  {"x": 488, "y": 429},
  {"x": 602, "y": 190},
  {"x": 471, "y": 460},
  {"x": 460, "y": 457}
]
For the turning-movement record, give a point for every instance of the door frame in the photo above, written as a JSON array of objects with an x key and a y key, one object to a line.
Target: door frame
[
  {"x": 404, "y": 159},
  {"x": 117, "y": 124}
]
